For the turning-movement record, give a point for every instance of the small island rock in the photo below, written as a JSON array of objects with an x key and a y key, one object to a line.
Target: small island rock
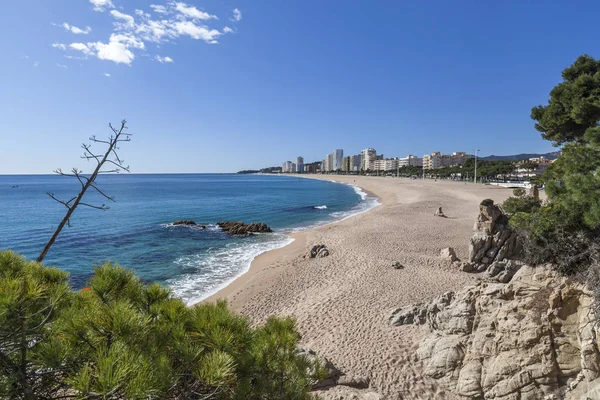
[
  {"x": 184, "y": 222},
  {"x": 238, "y": 228}
]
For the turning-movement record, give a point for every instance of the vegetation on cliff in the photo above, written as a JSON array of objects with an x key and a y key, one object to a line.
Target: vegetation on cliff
[{"x": 566, "y": 229}]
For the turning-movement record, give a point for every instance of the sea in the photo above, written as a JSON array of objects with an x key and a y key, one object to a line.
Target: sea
[{"x": 137, "y": 231}]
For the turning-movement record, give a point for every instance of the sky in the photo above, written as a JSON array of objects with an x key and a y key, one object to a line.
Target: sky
[{"x": 220, "y": 86}]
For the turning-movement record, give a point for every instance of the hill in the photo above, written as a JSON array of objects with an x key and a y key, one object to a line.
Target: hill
[{"x": 523, "y": 156}]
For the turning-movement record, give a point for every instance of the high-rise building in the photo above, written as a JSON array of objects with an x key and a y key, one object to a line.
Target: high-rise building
[
  {"x": 330, "y": 164},
  {"x": 337, "y": 156},
  {"x": 346, "y": 164},
  {"x": 324, "y": 166},
  {"x": 367, "y": 160},
  {"x": 286, "y": 167},
  {"x": 299, "y": 164},
  {"x": 293, "y": 168},
  {"x": 355, "y": 163}
]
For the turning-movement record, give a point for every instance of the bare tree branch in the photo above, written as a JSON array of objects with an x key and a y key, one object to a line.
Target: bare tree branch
[
  {"x": 119, "y": 135},
  {"x": 111, "y": 198},
  {"x": 103, "y": 207}
]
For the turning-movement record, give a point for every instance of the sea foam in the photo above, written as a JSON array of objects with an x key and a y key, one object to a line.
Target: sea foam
[{"x": 211, "y": 272}]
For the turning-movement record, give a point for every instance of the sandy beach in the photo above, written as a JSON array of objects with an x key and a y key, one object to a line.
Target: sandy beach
[{"x": 342, "y": 302}]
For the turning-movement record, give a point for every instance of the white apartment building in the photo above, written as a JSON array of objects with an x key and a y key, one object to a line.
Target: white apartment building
[
  {"x": 410, "y": 161},
  {"x": 438, "y": 160},
  {"x": 367, "y": 159},
  {"x": 286, "y": 167},
  {"x": 386, "y": 164}
]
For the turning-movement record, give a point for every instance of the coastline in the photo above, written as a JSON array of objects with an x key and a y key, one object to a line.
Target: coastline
[
  {"x": 342, "y": 302},
  {"x": 294, "y": 248},
  {"x": 292, "y": 235}
]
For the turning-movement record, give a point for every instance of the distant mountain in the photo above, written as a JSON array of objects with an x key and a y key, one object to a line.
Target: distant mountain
[
  {"x": 523, "y": 156},
  {"x": 268, "y": 170}
]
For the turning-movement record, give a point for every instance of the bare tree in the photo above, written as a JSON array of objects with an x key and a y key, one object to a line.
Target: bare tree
[{"x": 110, "y": 157}]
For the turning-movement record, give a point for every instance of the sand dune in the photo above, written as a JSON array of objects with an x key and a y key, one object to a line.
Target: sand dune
[{"x": 342, "y": 302}]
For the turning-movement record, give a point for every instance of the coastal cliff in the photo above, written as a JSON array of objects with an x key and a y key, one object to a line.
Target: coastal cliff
[
  {"x": 531, "y": 334},
  {"x": 533, "y": 337}
]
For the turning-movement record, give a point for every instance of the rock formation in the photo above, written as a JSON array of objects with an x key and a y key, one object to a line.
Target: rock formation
[
  {"x": 493, "y": 240},
  {"x": 318, "y": 251},
  {"x": 238, "y": 228},
  {"x": 449, "y": 254},
  {"x": 184, "y": 222},
  {"x": 532, "y": 338}
]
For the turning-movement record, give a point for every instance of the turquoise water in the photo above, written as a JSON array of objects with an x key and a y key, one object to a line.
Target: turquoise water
[{"x": 136, "y": 231}]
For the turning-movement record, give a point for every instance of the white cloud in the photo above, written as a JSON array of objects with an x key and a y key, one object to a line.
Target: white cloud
[
  {"x": 118, "y": 48},
  {"x": 84, "y": 48},
  {"x": 106, "y": 74},
  {"x": 170, "y": 21},
  {"x": 159, "y": 9},
  {"x": 102, "y": 5},
  {"x": 197, "y": 32},
  {"x": 153, "y": 31},
  {"x": 75, "y": 57},
  {"x": 128, "y": 22},
  {"x": 61, "y": 65},
  {"x": 193, "y": 12},
  {"x": 75, "y": 30},
  {"x": 114, "y": 51},
  {"x": 164, "y": 59},
  {"x": 36, "y": 64},
  {"x": 141, "y": 13}
]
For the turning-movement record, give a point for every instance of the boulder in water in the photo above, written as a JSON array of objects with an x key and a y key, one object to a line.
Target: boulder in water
[
  {"x": 184, "y": 222},
  {"x": 238, "y": 228}
]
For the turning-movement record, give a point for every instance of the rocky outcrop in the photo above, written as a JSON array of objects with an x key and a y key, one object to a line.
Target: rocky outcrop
[
  {"x": 499, "y": 271},
  {"x": 184, "y": 222},
  {"x": 318, "y": 251},
  {"x": 238, "y": 228},
  {"x": 531, "y": 338},
  {"x": 493, "y": 240},
  {"x": 448, "y": 254}
]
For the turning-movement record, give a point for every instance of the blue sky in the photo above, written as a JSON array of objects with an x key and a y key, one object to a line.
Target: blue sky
[{"x": 218, "y": 86}]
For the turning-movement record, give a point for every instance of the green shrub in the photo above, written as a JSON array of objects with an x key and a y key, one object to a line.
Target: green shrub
[
  {"x": 519, "y": 192},
  {"x": 122, "y": 339},
  {"x": 526, "y": 204}
]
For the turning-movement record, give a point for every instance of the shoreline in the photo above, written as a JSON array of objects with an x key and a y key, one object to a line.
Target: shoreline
[{"x": 297, "y": 237}]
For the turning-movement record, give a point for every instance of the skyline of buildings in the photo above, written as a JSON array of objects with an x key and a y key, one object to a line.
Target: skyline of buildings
[{"x": 369, "y": 160}]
